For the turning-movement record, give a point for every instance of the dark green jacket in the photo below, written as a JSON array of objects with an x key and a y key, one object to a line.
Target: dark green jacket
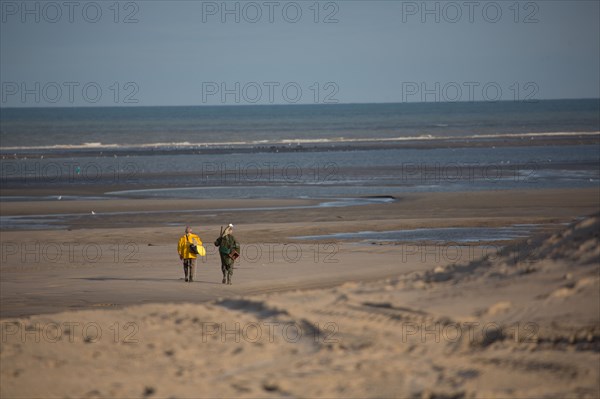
[{"x": 226, "y": 245}]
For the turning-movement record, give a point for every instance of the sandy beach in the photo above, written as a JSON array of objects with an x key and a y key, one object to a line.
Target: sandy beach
[
  {"x": 103, "y": 260},
  {"x": 414, "y": 187},
  {"x": 101, "y": 309}
]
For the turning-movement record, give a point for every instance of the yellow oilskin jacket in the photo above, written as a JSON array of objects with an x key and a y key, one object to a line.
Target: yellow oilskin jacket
[{"x": 184, "y": 245}]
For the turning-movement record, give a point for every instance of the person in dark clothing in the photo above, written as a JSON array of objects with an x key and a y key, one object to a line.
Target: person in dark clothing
[{"x": 229, "y": 250}]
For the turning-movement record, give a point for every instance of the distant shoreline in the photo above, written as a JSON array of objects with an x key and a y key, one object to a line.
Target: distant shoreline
[
  {"x": 305, "y": 145},
  {"x": 296, "y": 105}
]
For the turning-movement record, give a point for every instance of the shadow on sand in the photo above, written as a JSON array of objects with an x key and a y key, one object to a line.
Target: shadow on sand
[{"x": 140, "y": 279}]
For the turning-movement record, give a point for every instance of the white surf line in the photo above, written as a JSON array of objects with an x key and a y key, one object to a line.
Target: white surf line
[{"x": 338, "y": 140}]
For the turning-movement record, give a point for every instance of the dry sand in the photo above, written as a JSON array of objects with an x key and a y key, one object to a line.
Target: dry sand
[{"x": 344, "y": 320}]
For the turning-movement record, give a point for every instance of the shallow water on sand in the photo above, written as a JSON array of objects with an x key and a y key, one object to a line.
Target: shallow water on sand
[{"x": 447, "y": 234}]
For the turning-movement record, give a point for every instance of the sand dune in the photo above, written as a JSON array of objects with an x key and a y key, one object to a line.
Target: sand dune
[{"x": 520, "y": 323}]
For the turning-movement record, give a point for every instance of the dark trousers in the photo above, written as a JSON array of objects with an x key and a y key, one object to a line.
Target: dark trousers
[
  {"x": 226, "y": 266},
  {"x": 227, "y": 270},
  {"x": 188, "y": 268}
]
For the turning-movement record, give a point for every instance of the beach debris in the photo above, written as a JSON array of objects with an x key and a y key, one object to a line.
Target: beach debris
[
  {"x": 59, "y": 197},
  {"x": 270, "y": 385},
  {"x": 93, "y": 213},
  {"x": 148, "y": 391}
]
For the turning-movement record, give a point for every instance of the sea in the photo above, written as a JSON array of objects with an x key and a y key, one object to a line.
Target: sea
[{"x": 329, "y": 151}]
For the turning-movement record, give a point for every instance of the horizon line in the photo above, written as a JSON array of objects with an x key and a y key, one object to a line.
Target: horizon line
[{"x": 289, "y": 104}]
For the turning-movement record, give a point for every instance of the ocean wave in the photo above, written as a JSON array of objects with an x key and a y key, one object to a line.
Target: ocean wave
[{"x": 331, "y": 140}]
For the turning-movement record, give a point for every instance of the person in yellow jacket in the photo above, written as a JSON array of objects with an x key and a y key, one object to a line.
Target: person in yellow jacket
[{"x": 186, "y": 254}]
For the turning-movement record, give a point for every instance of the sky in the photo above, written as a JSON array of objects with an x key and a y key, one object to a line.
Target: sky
[{"x": 147, "y": 53}]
